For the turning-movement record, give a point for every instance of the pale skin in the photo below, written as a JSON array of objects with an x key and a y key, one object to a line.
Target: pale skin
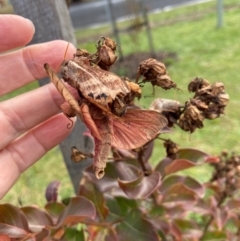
[{"x": 30, "y": 124}]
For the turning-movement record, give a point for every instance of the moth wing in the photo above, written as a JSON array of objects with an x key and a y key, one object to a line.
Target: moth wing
[
  {"x": 136, "y": 128},
  {"x": 113, "y": 82}
]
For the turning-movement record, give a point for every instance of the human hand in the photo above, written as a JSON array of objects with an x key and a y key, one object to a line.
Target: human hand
[{"x": 30, "y": 123}]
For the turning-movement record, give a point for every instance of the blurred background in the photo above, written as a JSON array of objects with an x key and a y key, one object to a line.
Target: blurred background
[{"x": 193, "y": 38}]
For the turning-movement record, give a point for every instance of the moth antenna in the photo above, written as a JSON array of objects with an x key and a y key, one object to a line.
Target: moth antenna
[
  {"x": 65, "y": 54},
  {"x": 70, "y": 125}
]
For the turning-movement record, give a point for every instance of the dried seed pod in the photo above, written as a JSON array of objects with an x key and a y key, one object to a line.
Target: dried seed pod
[
  {"x": 199, "y": 104},
  {"x": 105, "y": 56},
  {"x": 108, "y": 42},
  {"x": 223, "y": 99},
  {"x": 197, "y": 84},
  {"x": 156, "y": 73},
  {"x": 191, "y": 119},
  {"x": 217, "y": 88},
  {"x": 165, "y": 82},
  {"x": 150, "y": 69},
  {"x": 171, "y": 149}
]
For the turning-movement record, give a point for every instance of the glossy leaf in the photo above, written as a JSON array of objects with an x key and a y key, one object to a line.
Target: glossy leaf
[
  {"x": 51, "y": 193},
  {"x": 120, "y": 206},
  {"x": 141, "y": 187},
  {"x": 54, "y": 208},
  {"x": 43, "y": 235},
  {"x": 12, "y": 231},
  {"x": 192, "y": 154},
  {"x": 147, "y": 151},
  {"x": 91, "y": 192},
  {"x": 13, "y": 216},
  {"x": 135, "y": 227},
  {"x": 180, "y": 184},
  {"x": 79, "y": 210},
  {"x": 162, "y": 165},
  {"x": 37, "y": 218},
  {"x": 178, "y": 165}
]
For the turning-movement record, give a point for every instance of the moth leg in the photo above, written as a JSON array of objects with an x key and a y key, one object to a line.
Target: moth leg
[{"x": 88, "y": 120}]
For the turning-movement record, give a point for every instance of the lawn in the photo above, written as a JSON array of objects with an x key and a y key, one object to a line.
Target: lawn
[{"x": 203, "y": 51}]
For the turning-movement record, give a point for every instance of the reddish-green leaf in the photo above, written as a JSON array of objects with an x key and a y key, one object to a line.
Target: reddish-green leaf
[
  {"x": 191, "y": 154},
  {"x": 141, "y": 187},
  {"x": 37, "y": 218},
  {"x": 54, "y": 208},
  {"x": 51, "y": 193},
  {"x": 79, "y": 209},
  {"x": 13, "y": 216},
  {"x": 89, "y": 190},
  {"x": 43, "y": 235},
  {"x": 188, "y": 228},
  {"x": 214, "y": 236},
  {"x": 135, "y": 227},
  {"x": 162, "y": 164},
  {"x": 180, "y": 184},
  {"x": 12, "y": 231},
  {"x": 178, "y": 165}
]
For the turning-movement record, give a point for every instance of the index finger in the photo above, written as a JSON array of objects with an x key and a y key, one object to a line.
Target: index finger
[{"x": 15, "y": 31}]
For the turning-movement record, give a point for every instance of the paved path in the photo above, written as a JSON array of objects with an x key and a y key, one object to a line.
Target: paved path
[{"x": 96, "y": 13}]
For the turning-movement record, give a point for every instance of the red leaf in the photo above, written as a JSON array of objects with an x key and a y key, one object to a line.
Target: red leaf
[
  {"x": 42, "y": 235},
  {"x": 179, "y": 185},
  {"x": 178, "y": 165},
  {"x": 37, "y": 218},
  {"x": 135, "y": 227},
  {"x": 192, "y": 154},
  {"x": 12, "y": 231},
  {"x": 141, "y": 187},
  {"x": 13, "y": 216},
  {"x": 78, "y": 210},
  {"x": 52, "y": 191},
  {"x": 91, "y": 192}
]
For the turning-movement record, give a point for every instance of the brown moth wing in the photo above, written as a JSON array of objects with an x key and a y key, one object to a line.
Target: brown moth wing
[
  {"x": 62, "y": 89},
  {"x": 96, "y": 85},
  {"x": 136, "y": 128}
]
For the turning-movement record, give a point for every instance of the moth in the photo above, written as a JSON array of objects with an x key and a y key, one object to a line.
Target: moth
[{"x": 103, "y": 109}]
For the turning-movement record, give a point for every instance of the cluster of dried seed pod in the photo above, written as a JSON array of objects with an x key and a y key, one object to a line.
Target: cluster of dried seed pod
[
  {"x": 106, "y": 53},
  {"x": 227, "y": 173},
  {"x": 208, "y": 102},
  {"x": 155, "y": 72}
]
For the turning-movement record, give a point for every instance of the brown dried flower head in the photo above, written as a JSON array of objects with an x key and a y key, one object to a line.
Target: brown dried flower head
[
  {"x": 156, "y": 73},
  {"x": 171, "y": 149},
  {"x": 106, "y": 56},
  {"x": 197, "y": 84},
  {"x": 191, "y": 118}
]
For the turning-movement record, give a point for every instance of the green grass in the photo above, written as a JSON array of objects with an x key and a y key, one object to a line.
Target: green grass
[{"x": 204, "y": 51}]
